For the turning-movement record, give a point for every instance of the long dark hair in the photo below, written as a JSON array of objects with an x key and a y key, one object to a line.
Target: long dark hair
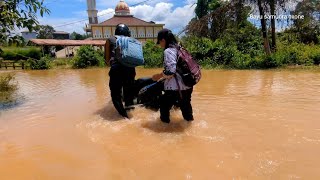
[
  {"x": 167, "y": 35},
  {"x": 170, "y": 40}
]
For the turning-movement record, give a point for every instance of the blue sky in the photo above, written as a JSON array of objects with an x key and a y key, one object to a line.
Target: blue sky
[{"x": 175, "y": 14}]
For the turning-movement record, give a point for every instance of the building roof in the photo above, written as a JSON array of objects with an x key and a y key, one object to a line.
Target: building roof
[
  {"x": 54, "y": 42},
  {"x": 60, "y": 32},
  {"x": 27, "y": 31},
  {"x": 128, "y": 20},
  {"x": 122, "y": 8}
]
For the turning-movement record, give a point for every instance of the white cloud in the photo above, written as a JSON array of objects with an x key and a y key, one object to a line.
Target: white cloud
[
  {"x": 105, "y": 14},
  {"x": 157, "y": 13},
  {"x": 174, "y": 19}
]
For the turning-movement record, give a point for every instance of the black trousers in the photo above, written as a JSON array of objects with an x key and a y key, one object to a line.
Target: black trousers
[
  {"x": 170, "y": 98},
  {"x": 122, "y": 77}
]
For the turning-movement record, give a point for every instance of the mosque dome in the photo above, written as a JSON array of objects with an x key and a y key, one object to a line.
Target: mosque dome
[{"x": 122, "y": 8}]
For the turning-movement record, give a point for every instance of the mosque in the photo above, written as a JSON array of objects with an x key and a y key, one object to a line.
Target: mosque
[{"x": 140, "y": 29}]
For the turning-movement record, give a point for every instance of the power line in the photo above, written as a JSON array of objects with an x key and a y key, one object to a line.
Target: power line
[
  {"x": 50, "y": 2},
  {"x": 74, "y": 22}
]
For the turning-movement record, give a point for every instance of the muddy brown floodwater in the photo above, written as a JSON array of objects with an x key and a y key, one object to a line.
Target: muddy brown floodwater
[{"x": 248, "y": 125}]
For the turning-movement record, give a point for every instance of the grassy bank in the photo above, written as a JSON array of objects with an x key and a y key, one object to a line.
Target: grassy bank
[
  {"x": 62, "y": 63},
  {"x": 223, "y": 53},
  {"x": 20, "y": 53},
  {"x": 226, "y": 53}
]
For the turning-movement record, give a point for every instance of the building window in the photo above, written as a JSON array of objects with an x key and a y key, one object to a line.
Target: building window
[
  {"x": 149, "y": 34},
  {"x": 98, "y": 34},
  {"x": 107, "y": 33},
  {"x": 133, "y": 33},
  {"x": 141, "y": 33}
]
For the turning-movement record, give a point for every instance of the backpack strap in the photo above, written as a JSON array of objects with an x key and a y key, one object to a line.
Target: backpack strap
[
  {"x": 179, "y": 89},
  {"x": 175, "y": 75},
  {"x": 117, "y": 49}
]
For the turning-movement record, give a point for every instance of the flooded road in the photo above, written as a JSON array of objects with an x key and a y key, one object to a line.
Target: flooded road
[{"x": 248, "y": 125}]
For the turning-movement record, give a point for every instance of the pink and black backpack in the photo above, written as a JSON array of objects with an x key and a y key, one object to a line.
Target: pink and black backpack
[{"x": 188, "y": 68}]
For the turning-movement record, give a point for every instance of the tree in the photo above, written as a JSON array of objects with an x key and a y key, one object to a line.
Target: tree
[
  {"x": 240, "y": 11},
  {"x": 202, "y": 8},
  {"x": 308, "y": 27},
  {"x": 19, "y": 14},
  {"x": 272, "y": 4},
  {"x": 77, "y": 36},
  {"x": 221, "y": 15},
  {"x": 264, "y": 28},
  {"x": 17, "y": 41},
  {"x": 201, "y": 11},
  {"x": 45, "y": 32},
  {"x": 275, "y": 5},
  {"x": 262, "y": 11}
]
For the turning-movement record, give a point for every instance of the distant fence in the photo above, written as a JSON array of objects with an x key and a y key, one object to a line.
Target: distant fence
[{"x": 12, "y": 64}]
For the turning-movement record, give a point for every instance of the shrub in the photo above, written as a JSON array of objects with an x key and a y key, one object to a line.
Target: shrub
[
  {"x": 246, "y": 38},
  {"x": 242, "y": 61},
  {"x": 200, "y": 48},
  {"x": 296, "y": 53},
  {"x": 269, "y": 62},
  {"x": 224, "y": 51},
  {"x": 43, "y": 63},
  {"x": 88, "y": 56},
  {"x": 153, "y": 55},
  {"x": 316, "y": 59}
]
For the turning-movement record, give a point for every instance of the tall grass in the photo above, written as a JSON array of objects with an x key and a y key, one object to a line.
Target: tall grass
[
  {"x": 8, "y": 87},
  {"x": 62, "y": 63}
]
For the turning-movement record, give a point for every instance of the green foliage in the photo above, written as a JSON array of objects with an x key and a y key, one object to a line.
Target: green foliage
[
  {"x": 297, "y": 53},
  {"x": 8, "y": 87},
  {"x": 88, "y": 56},
  {"x": 198, "y": 47},
  {"x": 14, "y": 53},
  {"x": 62, "y": 63},
  {"x": 153, "y": 55},
  {"x": 77, "y": 36},
  {"x": 288, "y": 37},
  {"x": 19, "y": 14},
  {"x": 16, "y": 41},
  {"x": 244, "y": 53},
  {"x": 45, "y": 32},
  {"x": 235, "y": 49},
  {"x": 307, "y": 28},
  {"x": 201, "y": 8},
  {"x": 43, "y": 63},
  {"x": 246, "y": 37}
]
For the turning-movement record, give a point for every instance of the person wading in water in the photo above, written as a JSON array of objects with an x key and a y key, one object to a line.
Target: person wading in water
[
  {"x": 121, "y": 77},
  {"x": 173, "y": 82}
]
